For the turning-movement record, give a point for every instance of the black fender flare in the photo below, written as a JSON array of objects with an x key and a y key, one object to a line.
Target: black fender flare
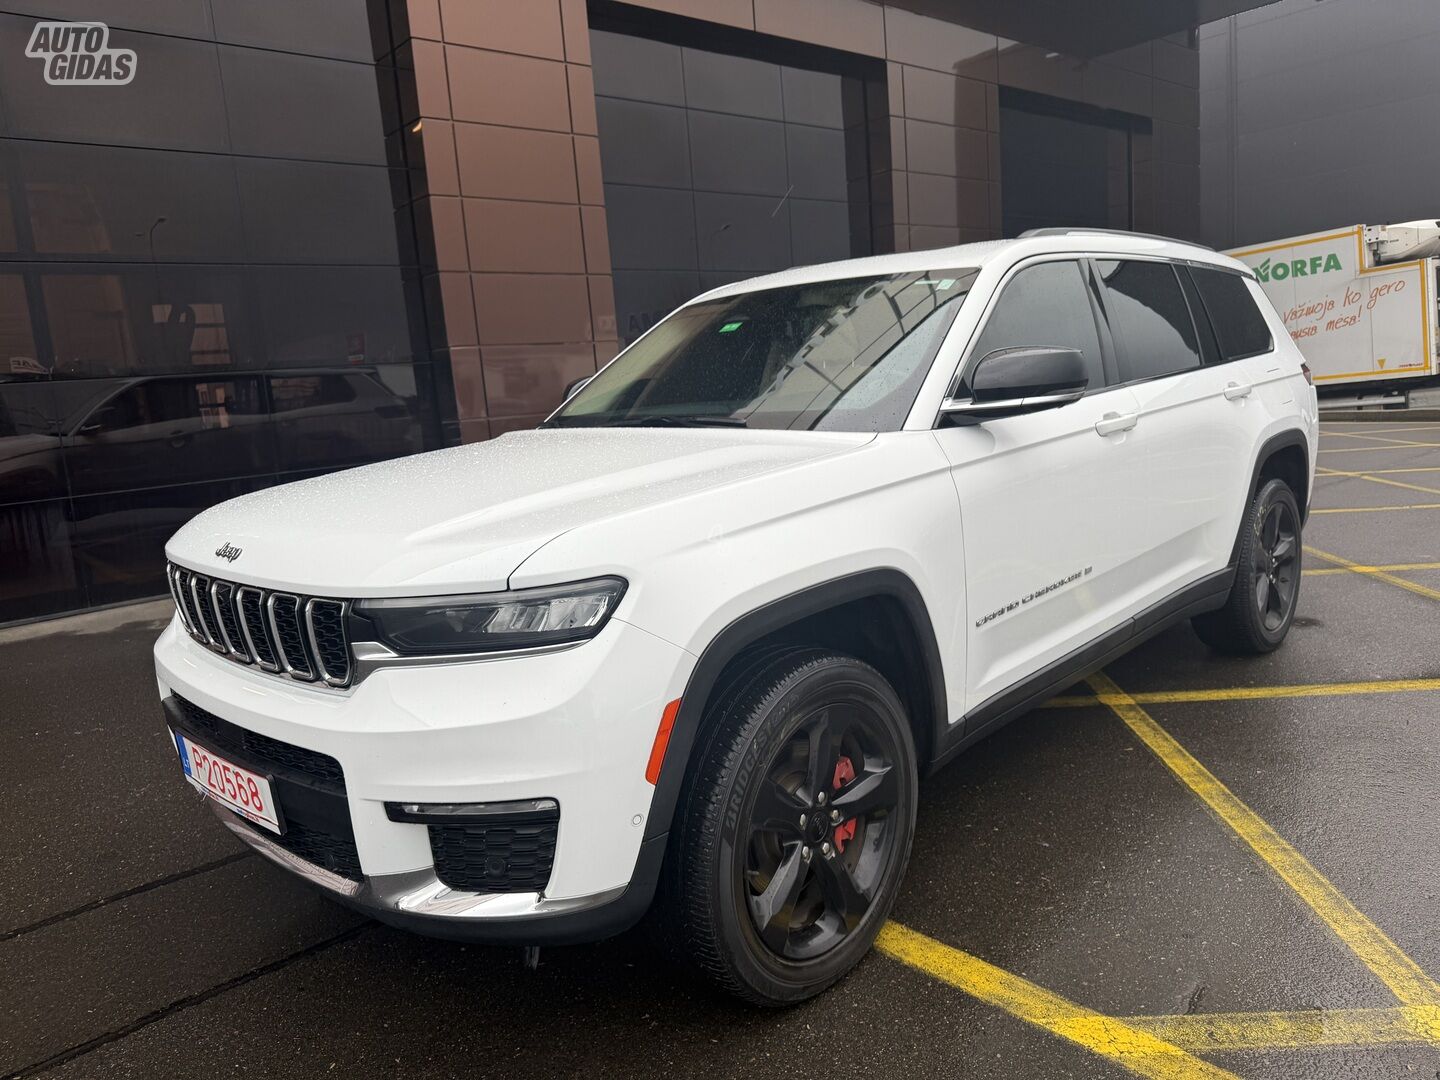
[
  {"x": 1290, "y": 437},
  {"x": 765, "y": 620}
]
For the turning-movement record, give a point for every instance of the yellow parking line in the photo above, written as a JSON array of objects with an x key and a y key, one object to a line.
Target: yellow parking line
[
  {"x": 1373, "y": 509},
  {"x": 1366, "y": 940},
  {"x": 1380, "y": 575},
  {"x": 1360, "y": 569},
  {"x": 1247, "y": 693},
  {"x": 1139, "y": 1051},
  {"x": 1374, "y": 479},
  {"x": 1363, "y": 449},
  {"x": 1219, "y": 1032},
  {"x": 1385, "y": 472},
  {"x": 1371, "y": 436}
]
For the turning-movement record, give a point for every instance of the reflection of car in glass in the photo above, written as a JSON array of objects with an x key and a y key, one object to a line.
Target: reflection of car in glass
[
  {"x": 176, "y": 429},
  {"x": 811, "y": 536}
]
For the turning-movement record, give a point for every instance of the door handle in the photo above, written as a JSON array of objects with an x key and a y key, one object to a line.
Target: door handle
[
  {"x": 1234, "y": 391},
  {"x": 1112, "y": 422}
]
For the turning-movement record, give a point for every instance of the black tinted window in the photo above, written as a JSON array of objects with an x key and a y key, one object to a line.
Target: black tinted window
[
  {"x": 1045, "y": 305},
  {"x": 1237, "y": 320},
  {"x": 1154, "y": 332}
]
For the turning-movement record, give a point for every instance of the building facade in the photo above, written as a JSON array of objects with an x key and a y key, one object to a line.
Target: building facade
[{"x": 314, "y": 233}]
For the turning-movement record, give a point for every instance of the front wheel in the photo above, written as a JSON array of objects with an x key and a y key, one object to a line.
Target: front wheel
[
  {"x": 797, "y": 826},
  {"x": 1261, "y": 606}
]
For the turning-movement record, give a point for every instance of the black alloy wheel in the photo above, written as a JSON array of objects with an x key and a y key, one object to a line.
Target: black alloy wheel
[
  {"x": 1275, "y": 564},
  {"x": 821, "y": 830},
  {"x": 795, "y": 824},
  {"x": 1261, "y": 605}
]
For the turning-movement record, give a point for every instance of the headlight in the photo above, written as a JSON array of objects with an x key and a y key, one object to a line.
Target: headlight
[{"x": 491, "y": 622}]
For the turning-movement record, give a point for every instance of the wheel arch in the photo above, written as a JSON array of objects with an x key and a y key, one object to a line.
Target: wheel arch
[
  {"x": 832, "y": 614},
  {"x": 1286, "y": 456}
]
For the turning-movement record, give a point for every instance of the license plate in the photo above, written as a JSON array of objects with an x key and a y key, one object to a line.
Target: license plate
[{"x": 243, "y": 791}]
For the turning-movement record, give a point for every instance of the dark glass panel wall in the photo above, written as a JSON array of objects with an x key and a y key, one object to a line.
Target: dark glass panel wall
[
  {"x": 1064, "y": 164},
  {"x": 205, "y": 287},
  {"x": 719, "y": 167}
]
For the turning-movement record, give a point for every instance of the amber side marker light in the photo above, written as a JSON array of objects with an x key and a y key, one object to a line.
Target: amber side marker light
[{"x": 662, "y": 740}]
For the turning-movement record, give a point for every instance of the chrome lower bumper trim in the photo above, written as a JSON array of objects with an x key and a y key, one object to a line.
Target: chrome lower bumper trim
[{"x": 416, "y": 892}]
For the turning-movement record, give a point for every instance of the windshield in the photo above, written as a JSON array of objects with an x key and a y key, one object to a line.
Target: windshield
[{"x": 844, "y": 355}]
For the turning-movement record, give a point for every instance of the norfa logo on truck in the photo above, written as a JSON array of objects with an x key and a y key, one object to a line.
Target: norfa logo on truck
[
  {"x": 79, "y": 54},
  {"x": 1311, "y": 267}
]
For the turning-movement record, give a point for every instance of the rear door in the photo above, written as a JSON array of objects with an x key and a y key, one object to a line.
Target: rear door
[
  {"x": 1051, "y": 502},
  {"x": 1194, "y": 428}
]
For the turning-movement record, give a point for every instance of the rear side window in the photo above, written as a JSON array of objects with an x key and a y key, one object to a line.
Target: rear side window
[
  {"x": 1046, "y": 304},
  {"x": 1154, "y": 333},
  {"x": 1238, "y": 322}
]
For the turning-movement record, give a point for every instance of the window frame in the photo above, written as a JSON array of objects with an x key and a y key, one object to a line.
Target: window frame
[
  {"x": 1102, "y": 289},
  {"x": 1210, "y": 316},
  {"x": 965, "y": 367}
]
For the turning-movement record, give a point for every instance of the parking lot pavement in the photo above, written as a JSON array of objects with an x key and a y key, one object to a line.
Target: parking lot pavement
[{"x": 1185, "y": 867}]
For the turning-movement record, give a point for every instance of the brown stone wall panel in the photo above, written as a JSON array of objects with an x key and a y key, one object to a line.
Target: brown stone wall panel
[
  {"x": 469, "y": 380},
  {"x": 531, "y": 27},
  {"x": 587, "y": 170},
  {"x": 939, "y": 45},
  {"x": 602, "y": 306},
  {"x": 605, "y": 351},
  {"x": 448, "y": 223},
  {"x": 582, "y": 99},
  {"x": 946, "y": 150},
  {"x": 1176, "y": 142},
  {"x": 739, "y": 13},
  {"x": 473, "y": 431},
  {"x": 597, "y": 239},
  {"x": 992, "y": 107},
  {"x": 522, "y": 380},
  {"x": 532, "y": 309},
  {"x": 948, "y": 201},
  {"x": 414, "y": 19},
  {"x": 524, "y": 237},
  {"x": 1136, "y": 58},
  {"x": 944, "y": 99},
  {"x": 1116, "y": 88},
  {"x": 576, "y": 22},
  {"x": 450, "y": 309},
  {"x": 427, "y": 93},
  {"x": 925, "y": 237},
  {"x": 499, "y": 88},
  {"x": 1030, "y": 67},
  {"x": 895, "y": 88},
  {"x": 433, "y": 146},
  {"x": 511, "y": 163},
  {"x": 850, "y": 25}
]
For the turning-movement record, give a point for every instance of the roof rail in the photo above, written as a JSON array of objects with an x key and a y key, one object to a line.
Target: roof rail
[{"x": 1067, "y": 230}]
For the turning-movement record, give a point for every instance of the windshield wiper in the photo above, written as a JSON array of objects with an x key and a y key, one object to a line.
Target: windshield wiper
[{"x": 677, "y": 420}]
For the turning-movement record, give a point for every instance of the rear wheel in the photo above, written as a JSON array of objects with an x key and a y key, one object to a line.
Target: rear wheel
[
  {"x": 1261, "y": 606},
  {"x": 796, "y": 828}
]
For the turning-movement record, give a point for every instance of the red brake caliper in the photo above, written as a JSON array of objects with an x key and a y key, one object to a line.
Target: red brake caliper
[{"x": 842, "y": 833}]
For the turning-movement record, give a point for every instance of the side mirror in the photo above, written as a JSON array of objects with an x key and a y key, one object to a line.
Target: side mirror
[
  {"x": 575, "y": 387},
  {"x": 1009, "y": 382}
]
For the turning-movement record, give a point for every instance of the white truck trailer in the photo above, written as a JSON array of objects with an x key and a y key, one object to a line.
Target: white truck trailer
[{"x": 1362, "y": 305}]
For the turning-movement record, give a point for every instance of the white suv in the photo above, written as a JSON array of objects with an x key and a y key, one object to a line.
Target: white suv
[{"x": 702, "y": 632}]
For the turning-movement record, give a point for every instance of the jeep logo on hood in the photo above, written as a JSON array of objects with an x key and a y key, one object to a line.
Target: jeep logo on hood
[{"x": 228, "y": 551}]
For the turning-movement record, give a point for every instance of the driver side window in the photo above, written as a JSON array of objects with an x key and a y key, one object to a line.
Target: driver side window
[{"x": 1045, "y": 304}]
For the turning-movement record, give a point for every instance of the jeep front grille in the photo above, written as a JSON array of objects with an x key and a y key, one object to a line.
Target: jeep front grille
[{"x": 284, "y": 634}]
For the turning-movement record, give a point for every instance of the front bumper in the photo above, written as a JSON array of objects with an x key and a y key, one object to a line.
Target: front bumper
[{"x": 575, "y": 726}]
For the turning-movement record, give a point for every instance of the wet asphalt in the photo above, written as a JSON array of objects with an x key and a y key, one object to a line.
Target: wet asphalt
[{"x": 138, "y": 939}]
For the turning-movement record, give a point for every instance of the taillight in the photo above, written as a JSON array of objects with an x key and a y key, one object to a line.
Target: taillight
[{"x": 1305, "y": 370}]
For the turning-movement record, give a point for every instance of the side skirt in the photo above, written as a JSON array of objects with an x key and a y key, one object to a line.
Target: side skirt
[{"x": 1207, "y": 594}]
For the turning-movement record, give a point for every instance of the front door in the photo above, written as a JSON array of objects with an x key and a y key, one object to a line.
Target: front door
[{"x": 1052, "y": 502}]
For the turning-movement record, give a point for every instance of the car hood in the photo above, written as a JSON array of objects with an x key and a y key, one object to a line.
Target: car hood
[{"x": 463, "y": 519}]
